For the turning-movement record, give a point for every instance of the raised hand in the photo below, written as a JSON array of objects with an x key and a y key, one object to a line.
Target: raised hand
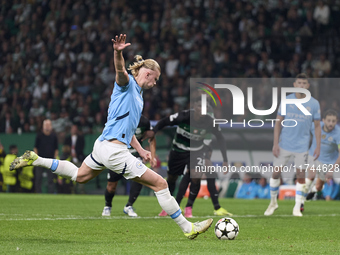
[{"x": 119, "y": 42}]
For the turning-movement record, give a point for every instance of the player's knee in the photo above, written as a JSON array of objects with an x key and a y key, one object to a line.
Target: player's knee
[
  {"x": 276, "y": 175},
  {"x": 162, "y": 183},
  {"x": 82, "y": 179},
  {"x": 172, "y": 178},
  {"x": 111, "y": 187}
]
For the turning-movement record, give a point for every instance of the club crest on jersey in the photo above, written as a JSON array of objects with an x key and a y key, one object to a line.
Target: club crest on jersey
[
  {"x": 195, "y": 131},
  {"x": 139, "y": 165},
  {"x": 138, "y": 131},
  {"x": 323, "y": 136}
]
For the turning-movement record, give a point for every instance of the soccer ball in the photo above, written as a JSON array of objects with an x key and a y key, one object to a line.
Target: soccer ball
[{"x": 226, "y": 229}]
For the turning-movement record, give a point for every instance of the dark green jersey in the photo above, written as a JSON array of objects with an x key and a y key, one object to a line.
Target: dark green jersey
[{"x": 190, "y": 133}]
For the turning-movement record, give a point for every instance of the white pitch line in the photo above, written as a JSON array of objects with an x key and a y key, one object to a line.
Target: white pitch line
[{"x": 155, "y": 217}]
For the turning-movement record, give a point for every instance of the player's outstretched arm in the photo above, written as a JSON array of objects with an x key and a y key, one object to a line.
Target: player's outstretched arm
[
  {"x": 277, "y": 132},
  {"x": 119, "y": 45},
  {"x": 317, "y": 132},
  {"x": 337, "y": 163}
]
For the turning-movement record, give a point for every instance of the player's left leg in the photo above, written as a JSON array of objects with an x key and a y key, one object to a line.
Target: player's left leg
[
  {"x": 300, "y": 191},
  {"x": 311, "y": 173},
  {"x": 320, "y": 181},
  {"x": 194, "y": 189},
  {"x": 109, "y": 194},
  {"x": 218, "y": 210},
  {"x": 211, "y": 184},
  {"x": 169, "y": 204},
  {"x": 300, "y": 160},
  {"x": 183, "y": 185}
]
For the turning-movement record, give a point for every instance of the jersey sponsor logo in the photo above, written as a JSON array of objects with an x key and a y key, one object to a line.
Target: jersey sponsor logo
[
  {"x": 189, "y": 135},
  {"x": 173, "y": 116}
]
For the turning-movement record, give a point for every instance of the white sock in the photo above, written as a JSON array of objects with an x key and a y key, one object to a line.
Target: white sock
[
  {"x": 170, "y": 206},
  {"x": 43, "y": 162},
  {"x": 60, "y": 167},
  {"x": 274, "y": 189},
  {"x": 299, "y": 195},
  {"x": 308, "y": 184},
  {"x": 314, "y": 189}
]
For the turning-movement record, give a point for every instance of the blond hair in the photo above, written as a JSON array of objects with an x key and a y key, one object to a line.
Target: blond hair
[{"x": 147, "y": 63}]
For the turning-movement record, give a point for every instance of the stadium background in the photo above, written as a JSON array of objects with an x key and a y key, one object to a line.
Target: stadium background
[{"x": 56, "y": 59}]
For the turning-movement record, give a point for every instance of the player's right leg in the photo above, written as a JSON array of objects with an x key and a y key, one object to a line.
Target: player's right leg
[
  {"x": 112, "y": 182},
  {"x": 274, "y": 184},
  {"x": 274, "y": 181},
  {"x": 320, "y": 181},
  {"x": 211, "y": 184},
  {"x": 183, "y": 185},
  {"x": 170, "y": 206},
  {"x": 134, "y": 193},
  {"x": 63, "y": 168},
  {"x": 300, "y": 160}
]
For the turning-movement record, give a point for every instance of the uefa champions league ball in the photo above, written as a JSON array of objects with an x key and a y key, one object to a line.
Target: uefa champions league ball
[{"x": 226, "y": 229}]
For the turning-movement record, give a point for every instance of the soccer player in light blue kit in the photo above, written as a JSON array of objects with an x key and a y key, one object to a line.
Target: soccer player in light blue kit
[
  {"x": 111, "y": 148},
  {"x": 329, "y": 158},
  {"x": 294, "y": 141}
]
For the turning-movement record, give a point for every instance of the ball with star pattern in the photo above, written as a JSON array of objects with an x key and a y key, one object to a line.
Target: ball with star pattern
[{"x": 226, "y": 229}]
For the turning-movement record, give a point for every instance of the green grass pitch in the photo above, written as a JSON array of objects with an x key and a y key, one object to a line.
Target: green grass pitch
[{"x": 72, "y": 224}]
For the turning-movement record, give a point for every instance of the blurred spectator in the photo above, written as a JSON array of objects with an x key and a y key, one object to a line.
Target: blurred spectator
[
  {"x": 7, "y": 123},
  {"x": 2, "y": 157},
  {"x": 321, "y": 15},
  {"x": 76, "y": 143},
  {"x": 263, "y": 189},
  {"x": 322, "y": 66},
  {"x": 54, "y": 51},
  {"x": 331, "y": 190},
  {"x": 46, "y": 145},
  {"x": 10, "y": 178},
  {"x": 248, "y": 189}
]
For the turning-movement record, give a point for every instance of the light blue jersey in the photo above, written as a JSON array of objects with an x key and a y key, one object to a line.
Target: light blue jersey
[
  {"x": 296, "y": 139},
  {"x": 330, "y": 142},
  {"x": 124, "y": 112}
]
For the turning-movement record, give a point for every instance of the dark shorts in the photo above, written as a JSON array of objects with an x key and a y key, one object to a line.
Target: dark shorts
[
  {"x": 113, "y": 177},
  {"x": 179, "y": 160}
]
